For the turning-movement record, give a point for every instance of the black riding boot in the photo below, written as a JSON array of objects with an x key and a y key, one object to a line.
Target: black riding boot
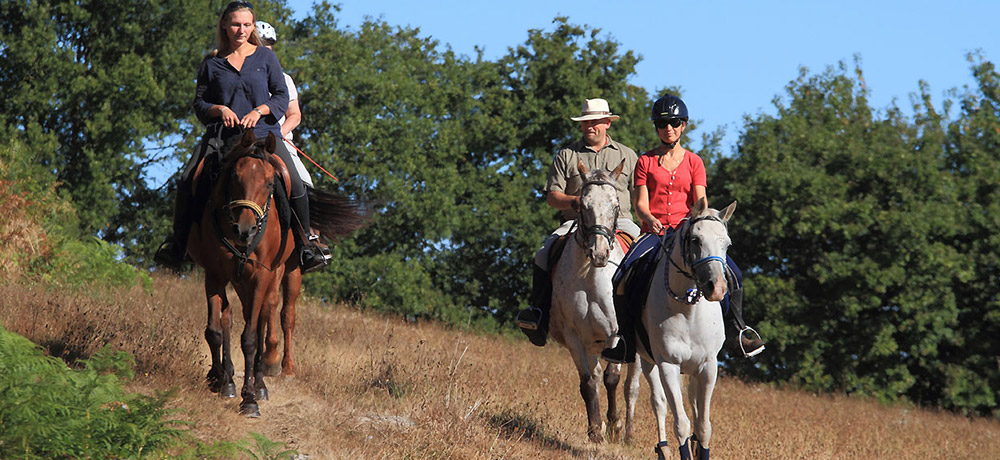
[
  {"x": 534, "y": 322},
  {"x": 172, "y": 252},
  {"x": 624, "y": 350},
  {"x": 746, "y": 339},
  {"x": 313, "y": 255}
]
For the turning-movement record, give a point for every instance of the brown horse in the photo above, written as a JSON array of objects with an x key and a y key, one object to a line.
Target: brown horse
[{"x": 242, "y": 239}]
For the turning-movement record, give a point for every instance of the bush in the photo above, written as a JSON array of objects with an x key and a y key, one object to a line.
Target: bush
[
  {"x": 48, "y": 410},
  {"x": 40, "y": 236}
]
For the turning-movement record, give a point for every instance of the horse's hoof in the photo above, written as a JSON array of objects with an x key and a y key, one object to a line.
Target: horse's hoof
[
  {"x": 261, "y": 394},
  {"x": 272, "y": 370},
  {"x": 250, "y": 409},
  {"x": 228, "y": 390},
  {"x": 595, "y": 436}
]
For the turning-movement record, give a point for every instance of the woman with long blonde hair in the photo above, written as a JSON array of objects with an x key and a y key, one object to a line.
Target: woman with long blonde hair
[{"x": 240, "y": 86}]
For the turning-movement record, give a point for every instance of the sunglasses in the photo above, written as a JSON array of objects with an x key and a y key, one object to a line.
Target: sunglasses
[
  {"x": 673, "y": 122},
  {"x": 236, "y": 5}
]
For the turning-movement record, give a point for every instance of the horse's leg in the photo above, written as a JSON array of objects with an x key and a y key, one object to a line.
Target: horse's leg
[
  {"x": 271, "y": 357},
  {"x": 220, "y": 376},
  {"x": 589, "y": 369},
  {"x": 268, "y": 311},
  {"x": 270, "y": 362},
  {"x": 631, "y": 396},
  {"x": 252, "y": 303},
  {"x": 670, "y": 374},
  {"x": 612, "y": 375},
  {"x": 658, "y": 401},
  {"x": 701, "y": 387},
  {"x": 293, "y": 286}
]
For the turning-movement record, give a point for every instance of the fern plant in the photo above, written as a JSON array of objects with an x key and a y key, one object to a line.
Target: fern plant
[{"x": 48, "y": 410}]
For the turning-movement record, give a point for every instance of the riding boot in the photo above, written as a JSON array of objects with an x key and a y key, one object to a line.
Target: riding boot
[
  {"x": 172, "y": 252},
  {"x": 746, "y": 339},
  {"x": 534, "y": 321},
  {"x": 313, "y": 255},
  {"x": 624, "y": 350}
]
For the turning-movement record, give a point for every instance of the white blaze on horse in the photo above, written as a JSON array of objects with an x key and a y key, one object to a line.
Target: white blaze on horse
[
  {"x": 683, "y": 319},
  {"x": 583, "y": 313}
]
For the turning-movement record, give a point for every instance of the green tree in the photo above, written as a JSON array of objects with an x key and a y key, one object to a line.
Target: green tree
[
  {"x": 454, "y": 149},
  {"x": 969, "y": 375},
  {"x": 845, "y": 230},
  {"x": 89, "y": 85}
]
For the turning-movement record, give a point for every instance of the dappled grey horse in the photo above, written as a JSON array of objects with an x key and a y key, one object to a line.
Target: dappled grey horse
[{"x": 583, "y": 313}]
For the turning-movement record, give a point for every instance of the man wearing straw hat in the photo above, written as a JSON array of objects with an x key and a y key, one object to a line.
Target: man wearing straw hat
[{"x": 596, "y": 150}]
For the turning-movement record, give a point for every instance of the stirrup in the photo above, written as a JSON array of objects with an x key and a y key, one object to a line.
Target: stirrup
[
  {"x": 528, "y": 324},
  {"x": 323, "y": 249},
  {"x": 754, "y": 352}
]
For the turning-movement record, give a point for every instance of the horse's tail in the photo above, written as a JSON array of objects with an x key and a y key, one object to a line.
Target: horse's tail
[{"x": 335, "y": 215}]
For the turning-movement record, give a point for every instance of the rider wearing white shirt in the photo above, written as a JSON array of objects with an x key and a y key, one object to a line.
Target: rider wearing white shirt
[{"x": 293, "y": 116}]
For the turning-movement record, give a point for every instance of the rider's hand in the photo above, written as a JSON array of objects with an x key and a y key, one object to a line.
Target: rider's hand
[
  {"x": 229, "y": 118},
  {"x": 654, "y": 224},
  {"x": 250, "y": 120}
]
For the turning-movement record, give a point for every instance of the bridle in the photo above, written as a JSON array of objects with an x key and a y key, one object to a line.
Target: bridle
[
  {"x": 260, "y": 221},
  {"x": 684, "y": 233},
  {"x": 598, "y": 229}
]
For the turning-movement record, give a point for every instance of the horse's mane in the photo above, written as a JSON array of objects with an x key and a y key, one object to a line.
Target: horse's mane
[{"x": 236, "y": 151}]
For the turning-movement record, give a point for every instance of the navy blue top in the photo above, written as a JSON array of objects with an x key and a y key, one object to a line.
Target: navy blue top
[{"x": 260, "y": 81}]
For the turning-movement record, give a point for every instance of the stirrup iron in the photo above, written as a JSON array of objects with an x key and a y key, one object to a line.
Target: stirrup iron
[{"x": 740, "y": 340}]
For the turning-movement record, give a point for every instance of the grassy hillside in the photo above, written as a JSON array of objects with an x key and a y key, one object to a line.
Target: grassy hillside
[{"x": 369, "y": 386}]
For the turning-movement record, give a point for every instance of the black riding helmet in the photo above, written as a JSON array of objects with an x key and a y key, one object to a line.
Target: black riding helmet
[{"x": 667, "y": 107}]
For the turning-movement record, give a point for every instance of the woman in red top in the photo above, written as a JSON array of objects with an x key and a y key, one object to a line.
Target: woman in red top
[{"x": 669, "y": 180}]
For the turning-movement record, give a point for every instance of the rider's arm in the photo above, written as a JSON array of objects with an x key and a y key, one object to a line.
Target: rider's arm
[
  {"x": 699, "y": 193},
  {"x": 561, "y": 201},
  {"x": 642, "y": 209},
  {"x": 292, "y": 117}
]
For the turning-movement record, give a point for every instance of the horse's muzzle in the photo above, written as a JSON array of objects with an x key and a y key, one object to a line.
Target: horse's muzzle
[{"x": 715, "y": 289}]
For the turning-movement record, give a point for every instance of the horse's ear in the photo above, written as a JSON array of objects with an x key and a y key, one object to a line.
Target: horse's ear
[
  {"x": 618, "y": 171},
  {"x": 725, "y": 214},
  {"x": 248, "y": 138},
  {"x": 700, "y": 206},
  {"x": 270, "y": 143},
  {"x": 582, "y": 168}
]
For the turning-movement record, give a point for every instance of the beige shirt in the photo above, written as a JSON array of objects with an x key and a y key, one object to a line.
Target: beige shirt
[{"x": 564, "y": 176}]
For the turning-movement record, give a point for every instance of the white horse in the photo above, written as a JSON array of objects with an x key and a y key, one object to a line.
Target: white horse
[
  {"x": 583, "y": 313},
  {"x": 683, "y": 320}
]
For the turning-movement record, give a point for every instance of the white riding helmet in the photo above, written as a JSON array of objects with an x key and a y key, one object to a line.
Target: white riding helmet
[{"x": 266, "y": 32}]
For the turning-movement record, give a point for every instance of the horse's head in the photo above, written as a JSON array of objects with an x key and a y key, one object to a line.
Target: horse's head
[
  {"x": 249, "y": 186},
  {"x": 599, "y": 212},
  {"x": 704, "y": 241}
]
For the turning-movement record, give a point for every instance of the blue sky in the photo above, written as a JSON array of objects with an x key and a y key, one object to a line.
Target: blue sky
[{"x": 730, "y": 58}]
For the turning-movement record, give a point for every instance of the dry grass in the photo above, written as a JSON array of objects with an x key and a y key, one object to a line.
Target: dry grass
[
  {"x": 374, "y": 387},
  {"x": 21, "y": 238}
]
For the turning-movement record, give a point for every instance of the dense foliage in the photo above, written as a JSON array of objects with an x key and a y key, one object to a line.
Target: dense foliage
[
  {"x": 869, "y": 242},
  {"x": 867, "y": 237}
]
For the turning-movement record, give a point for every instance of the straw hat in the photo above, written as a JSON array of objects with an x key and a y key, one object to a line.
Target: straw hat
[{"x": 595, "y": 109}]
